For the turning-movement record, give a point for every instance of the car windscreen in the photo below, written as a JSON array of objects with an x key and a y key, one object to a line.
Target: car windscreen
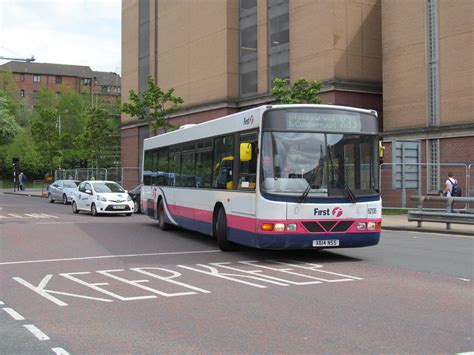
[
  {"x": 70, "y": 184},
  {"x": 105, "y": 187}
]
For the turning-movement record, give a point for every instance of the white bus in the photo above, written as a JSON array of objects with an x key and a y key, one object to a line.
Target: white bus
[{"x": 275, "y": 177}]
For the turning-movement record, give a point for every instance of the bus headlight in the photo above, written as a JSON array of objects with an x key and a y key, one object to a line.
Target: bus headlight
[
  {"x": 279, "y": 227},
  {"x": 291, "y": 226},
  {"x": 361, "y": 226},
  {"x": 371, "y": 225}
]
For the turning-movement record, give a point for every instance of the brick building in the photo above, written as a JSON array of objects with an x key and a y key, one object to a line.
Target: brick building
[
  {"x": 221, "y": 57},
  {"x": 30, "y": 77}
]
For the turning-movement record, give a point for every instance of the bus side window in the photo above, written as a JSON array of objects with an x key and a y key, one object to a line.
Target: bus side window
[{"x": 223, "y": 162}]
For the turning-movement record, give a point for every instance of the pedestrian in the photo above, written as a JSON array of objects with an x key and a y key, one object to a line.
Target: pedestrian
[
  {"x": 448, "y": 190},
  {"x": 20, "y": 181},
  {"x": 23, "y": 183}
]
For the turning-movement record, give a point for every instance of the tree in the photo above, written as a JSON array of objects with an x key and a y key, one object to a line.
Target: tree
[
  {"x": 9, "y": 87},
  {"x": 97, "y": 136},
  {"x": 302, "y": 91},
  {"x": 8, "y": 126},
  {"x": 154, "y": 104},
  {"x": 45, "y": 135}
]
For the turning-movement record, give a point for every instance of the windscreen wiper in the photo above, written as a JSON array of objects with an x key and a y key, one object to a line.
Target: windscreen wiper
[
  {"x": 305, "y": 193},
  {"x": 350, "y": 193}
]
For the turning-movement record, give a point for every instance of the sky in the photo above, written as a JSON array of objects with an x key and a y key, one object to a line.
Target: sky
[{"x": 79, "y": 32}]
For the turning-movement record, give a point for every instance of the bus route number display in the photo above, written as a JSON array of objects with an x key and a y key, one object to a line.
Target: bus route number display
[{"x": 313, "y": 121}]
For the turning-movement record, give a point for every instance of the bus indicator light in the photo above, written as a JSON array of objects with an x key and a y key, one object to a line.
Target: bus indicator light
[{"x": 267, "y": 227}]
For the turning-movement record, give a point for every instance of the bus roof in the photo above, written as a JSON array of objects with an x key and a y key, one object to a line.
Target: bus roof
[{"x": 239, "y": 121}]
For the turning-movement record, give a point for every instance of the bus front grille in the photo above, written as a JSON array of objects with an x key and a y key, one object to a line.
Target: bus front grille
[{"x": 327, "y": 226}]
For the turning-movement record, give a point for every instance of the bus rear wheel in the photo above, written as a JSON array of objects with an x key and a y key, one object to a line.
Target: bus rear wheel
[
  {"x": 220, "y": 228},
  {"x": 161, "y": 216}
]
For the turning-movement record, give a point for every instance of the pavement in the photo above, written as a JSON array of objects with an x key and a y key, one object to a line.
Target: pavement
[{"x": 389, "y": 222}]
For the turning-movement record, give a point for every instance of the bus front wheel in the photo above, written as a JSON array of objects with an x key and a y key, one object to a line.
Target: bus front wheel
[
  {"x": 161, "y": 216},
  {"x": 221, "y": 232}
]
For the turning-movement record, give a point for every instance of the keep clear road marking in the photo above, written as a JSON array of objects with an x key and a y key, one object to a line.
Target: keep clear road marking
[{"x": 162, "y": 282}]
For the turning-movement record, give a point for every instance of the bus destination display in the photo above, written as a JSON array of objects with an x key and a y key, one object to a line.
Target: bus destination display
[{"x": 333, "y": 122}]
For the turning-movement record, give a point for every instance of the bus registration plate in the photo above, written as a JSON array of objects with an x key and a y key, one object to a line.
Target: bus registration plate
[{"x": 326, "y": 243}]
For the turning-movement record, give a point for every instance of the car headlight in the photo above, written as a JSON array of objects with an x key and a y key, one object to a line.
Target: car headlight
[
  {"x": 101, "y": 198},
  {"x": 129, "y": 198}
]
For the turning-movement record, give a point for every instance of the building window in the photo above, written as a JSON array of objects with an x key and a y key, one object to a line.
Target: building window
[
  {"x": 36, "y": 78},
  {"x": 433, "y": 166},
  {"x": 59, "y": 79},
  {"x": 432, "y": 62},
  {"x": 22, "y": 77},
  {"x": 58, "y": 93},
  {"x": 278, "y": 40},
  {"x": 103, "y": 89},
  {"x": 35, "y": 94},
  {"x": 248, "y": 47},
  {"x": 22, "y": 93},
  {"x": 143, "y": 44},
  {"x": 86, "y": 81}
]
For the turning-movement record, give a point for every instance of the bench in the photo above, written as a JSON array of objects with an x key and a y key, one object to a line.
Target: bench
[{"x": 448, "y": 217}]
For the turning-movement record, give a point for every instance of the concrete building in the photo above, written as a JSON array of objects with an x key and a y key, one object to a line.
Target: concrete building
[
  {"x": 428, "y": 94},
  {"x": 30, "y": 77},
  {"x": 222, "y": 55}
]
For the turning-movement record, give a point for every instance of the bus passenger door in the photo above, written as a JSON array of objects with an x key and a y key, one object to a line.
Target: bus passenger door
[{"x": 244, "y": 204}]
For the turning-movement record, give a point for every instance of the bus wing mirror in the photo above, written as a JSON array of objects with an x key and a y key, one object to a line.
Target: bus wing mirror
[{"x": 245, "y": 151}]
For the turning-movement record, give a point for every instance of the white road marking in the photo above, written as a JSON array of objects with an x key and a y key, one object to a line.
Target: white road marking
[
  {"x": 60, "y": 351},
  {"x": 15, "y": 215},
  {"x": 36, "y": 332},
  {"x": 460, "y": 278},
  {"x": 95, "y": 286},
  {"x": 110, "y": 257},
  {"x": 14, "y": 314},
  {"x": 40, "y": 289},
  {"x": 1, "y": 302}
]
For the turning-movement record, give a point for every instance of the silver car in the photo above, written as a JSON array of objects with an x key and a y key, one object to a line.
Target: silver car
[{"x": 61, "y": 190}]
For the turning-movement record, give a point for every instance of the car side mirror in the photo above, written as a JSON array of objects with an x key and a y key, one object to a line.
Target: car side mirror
[{"x": 89, "y": 192}]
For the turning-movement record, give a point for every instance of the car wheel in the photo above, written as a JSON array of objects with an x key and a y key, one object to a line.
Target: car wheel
[
  {"x": 65, "y": 199},
  {"x": 74, "y": 207},
  {"x": 220, "y": 228},
  {"x": 135, "y": 206},
  {"x": 50, "y": 198},
  {"x": 161, "y": 216},
  {"x": 94, "y": 210}
]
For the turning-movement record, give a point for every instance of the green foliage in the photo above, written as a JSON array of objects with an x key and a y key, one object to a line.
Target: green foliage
[
  {"x": 23, "y": 147},
  {"x": 154, "y": 104},
  {"x": 8, "y": 126},
  {"x": 99, "y": 133},
  {"x": 302, "y": 91}
]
